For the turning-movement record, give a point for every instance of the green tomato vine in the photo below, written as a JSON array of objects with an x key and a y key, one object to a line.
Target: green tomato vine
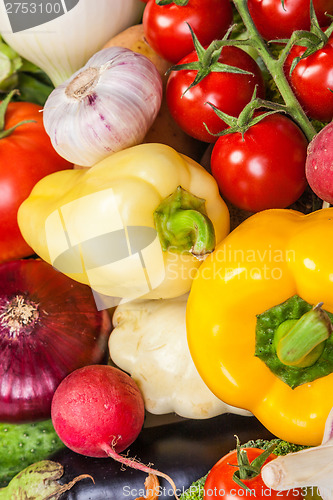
[
  {"x": 270, "y": 57},
  {"x": 275, "y": 65}
]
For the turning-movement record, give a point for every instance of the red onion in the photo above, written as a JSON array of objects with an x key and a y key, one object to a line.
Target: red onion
[{"x": 49, "y": 327}]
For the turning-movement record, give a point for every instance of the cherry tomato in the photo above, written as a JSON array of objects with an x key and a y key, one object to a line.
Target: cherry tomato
[
  {"x": 26, "y": 155},
  {"x": 266, "y": 168},
  {"x": 168, "y": 34},
  {"x": 229, "y": 92},
  {"x": 274, "y": 20},
  {"x": 312, "y": 80},
  {"x": 220, "y": 484}
]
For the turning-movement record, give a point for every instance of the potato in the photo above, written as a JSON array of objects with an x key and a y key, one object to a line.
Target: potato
[{"x": 133, "y": 38}]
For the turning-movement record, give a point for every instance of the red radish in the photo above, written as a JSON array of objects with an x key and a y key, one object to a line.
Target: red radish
[
  {"x": 319, "y": 164},
  {"x": 98, "y": 411}
]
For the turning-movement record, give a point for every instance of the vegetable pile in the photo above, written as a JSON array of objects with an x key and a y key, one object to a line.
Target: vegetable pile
[{"x": 166, "y": 177}]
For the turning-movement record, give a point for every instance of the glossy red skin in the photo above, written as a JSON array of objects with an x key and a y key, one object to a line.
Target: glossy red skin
[
  {"x": 266, "y": 169},
  {"x": 311, "y": 80},
  {"x": 319, "y": 161},
  {"x": 273, "y": 21},
  {"x": 229, "y": 92},
  {"x": 97, "y": 405},
  {"x": 26, "y": 155},
  {"x": 168, "y": 34},
  {"x": 219, "y": 483}
]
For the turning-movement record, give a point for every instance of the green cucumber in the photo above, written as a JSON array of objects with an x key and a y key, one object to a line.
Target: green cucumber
[{"x": 24, "y": 444}]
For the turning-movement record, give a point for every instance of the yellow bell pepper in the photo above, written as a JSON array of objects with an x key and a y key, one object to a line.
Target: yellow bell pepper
[
  {"x": 273, "y": 256},
  {"x": 136, "y": 224}
]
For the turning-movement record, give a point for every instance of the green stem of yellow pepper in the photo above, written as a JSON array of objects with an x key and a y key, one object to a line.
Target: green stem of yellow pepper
[
  {"x": 301, "y": 342},
  {"x": 182, "y": 224},
  {"x": 276, "y": 322}
]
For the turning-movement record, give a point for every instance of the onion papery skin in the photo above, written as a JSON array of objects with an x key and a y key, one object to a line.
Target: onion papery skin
[
  {"x": 63, "y": 331},
  {"x": 63, "y": 45},
  {"x": 106, "y": 106}
]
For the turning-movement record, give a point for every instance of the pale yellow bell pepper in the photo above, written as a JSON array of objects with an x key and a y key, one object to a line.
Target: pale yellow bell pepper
[{"x": 114, "y": 227}]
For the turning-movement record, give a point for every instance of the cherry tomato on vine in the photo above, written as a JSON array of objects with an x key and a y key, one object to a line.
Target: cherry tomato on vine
[
  {"x": 229, "y": 92},
  {"x": 273, "y": 19},
  {"x": 312, "y": 80},
  {"x": 266, "y": 168},
  {"x": 168, "y": 34},
  {"x": 220, "y": 484},
  {"x": 26, "y": 155}
]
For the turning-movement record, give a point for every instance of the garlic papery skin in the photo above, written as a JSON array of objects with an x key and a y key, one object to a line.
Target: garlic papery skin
[
  {"x": 311, "y": 467},
  {"x": 106, "y": 106},
  {"x": 64, "y": 44}
]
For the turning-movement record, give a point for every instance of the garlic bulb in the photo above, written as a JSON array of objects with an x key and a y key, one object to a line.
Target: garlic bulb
[
  {"x": 105, "y": 107},
  {"x": 61, "y": 36},
  {"x": 312, "y": 467}
]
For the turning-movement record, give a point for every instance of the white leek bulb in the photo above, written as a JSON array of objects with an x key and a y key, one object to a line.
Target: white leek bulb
[
  {"x": 60, "y": 36},
  {"x": 105, "y": 107},
  {"x": 311, "y": 467}
]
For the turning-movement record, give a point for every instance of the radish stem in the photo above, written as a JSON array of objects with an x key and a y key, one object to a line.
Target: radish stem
[{"x": 137, "y": 465}]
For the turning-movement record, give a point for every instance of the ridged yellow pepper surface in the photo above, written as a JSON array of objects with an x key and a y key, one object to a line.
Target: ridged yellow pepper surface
[
  {"x": 128, "y": 226},
  {"x": 248, "y": 332}
]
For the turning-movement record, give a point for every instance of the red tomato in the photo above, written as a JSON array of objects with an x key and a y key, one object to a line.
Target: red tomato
[
  {"x": 229, "y": 92},
  {"x": 264, "y": 170},
  {"x": 168, "y": 34},
  {"x": 273, "y": 20},
  {"x": 312, "y": 80},
  {"x": 26, "y": 155},
  {"x": 220, "y": 484}
]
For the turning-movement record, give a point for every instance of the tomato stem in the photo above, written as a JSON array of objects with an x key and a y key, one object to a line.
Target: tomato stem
[
  {"x": 275, "y": 68},
  {"x": 3, "y": 109},
  {"x": 246, "y": 469},
  {"x": 246, "y": 118},
  {"x": 181, "y": 3},
  {"x": 208, "y": 61}
]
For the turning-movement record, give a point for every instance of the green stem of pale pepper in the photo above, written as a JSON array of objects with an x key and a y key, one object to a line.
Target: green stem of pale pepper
[
  {"x": 183, "y": 225},
  {"x": 191, "y": 225}
]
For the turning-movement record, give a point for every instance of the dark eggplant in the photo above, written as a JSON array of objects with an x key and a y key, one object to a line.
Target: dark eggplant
[{"x": 185, "y": 450}]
